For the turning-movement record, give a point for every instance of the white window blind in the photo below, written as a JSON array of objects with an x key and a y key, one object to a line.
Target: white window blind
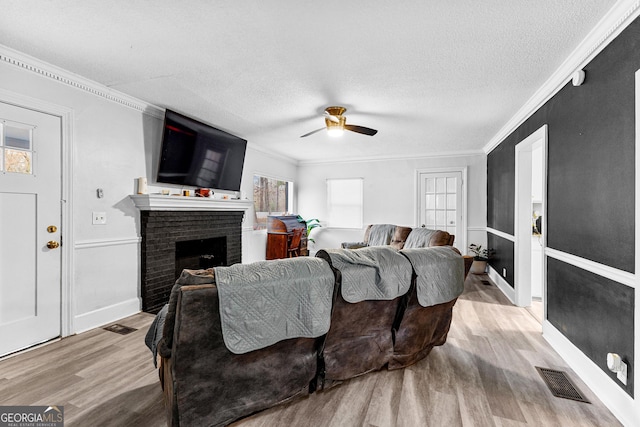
[{"x": 345, "y": 202}]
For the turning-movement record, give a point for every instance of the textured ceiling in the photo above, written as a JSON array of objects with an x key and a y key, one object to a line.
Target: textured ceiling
[{"x": 432, "y": 76}]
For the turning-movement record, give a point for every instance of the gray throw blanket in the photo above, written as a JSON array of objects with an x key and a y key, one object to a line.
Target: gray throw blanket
[
  {"x": 154, "y": 334},
  {"x": 440, "y": 273},
  {"x": 381, "y": 234},
  {"x": 419, "y": 238},
  {"x": 372, "y": 273},
  {"x": 270, "y": 301}
]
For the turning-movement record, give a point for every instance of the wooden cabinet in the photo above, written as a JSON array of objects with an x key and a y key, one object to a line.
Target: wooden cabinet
[{"x": 280, "y": 230}]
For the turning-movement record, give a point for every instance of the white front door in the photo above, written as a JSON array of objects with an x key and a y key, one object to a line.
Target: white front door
[
  {"x": 441, "y": 204},
  {"x": 30, "y": 216}
]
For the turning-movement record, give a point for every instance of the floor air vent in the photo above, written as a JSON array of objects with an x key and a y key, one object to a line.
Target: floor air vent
[
  {"x": 560, "y": 385},
  {"x": 485, "y": 282},
  {"x": 119, "y": 329}
]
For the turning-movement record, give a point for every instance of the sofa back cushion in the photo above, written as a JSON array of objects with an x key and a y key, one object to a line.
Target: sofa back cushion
[
  {"x": 360, "y": 338},
  {"x": 379, "y": 234},
  {"x": 400, "y": 236},
  {"x": 424, "y": 237},
  {"x": 371, "y": 273},
  {"x": 269, "y": 301}
]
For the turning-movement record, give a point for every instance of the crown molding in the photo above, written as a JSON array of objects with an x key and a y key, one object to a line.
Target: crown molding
[
  {"x": 57, "y": 74},
  {"x": 271, "y": 153},
  {"x": 386, "y": 158},
  {"x": 607, "y": 29}
]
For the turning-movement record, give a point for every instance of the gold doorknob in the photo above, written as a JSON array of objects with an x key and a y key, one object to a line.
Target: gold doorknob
[{"x": 51, "y": 244}]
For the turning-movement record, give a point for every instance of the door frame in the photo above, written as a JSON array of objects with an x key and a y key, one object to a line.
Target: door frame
[
  {"x": 522, "y": 218},
  {"x": 66, "y": 221},
  {"x": 460, "y": 241}
]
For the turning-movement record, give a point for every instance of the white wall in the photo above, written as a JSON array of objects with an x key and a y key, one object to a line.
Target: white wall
[
  {"x": 108, "y": 152},
  {"x": 257, "y": 162},
  {"x": 389, "y": 193},
  {"x": 113, "y": 144}
]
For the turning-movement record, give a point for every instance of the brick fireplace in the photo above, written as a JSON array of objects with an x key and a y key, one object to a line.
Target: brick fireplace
[{"x": 193, "y": 234}]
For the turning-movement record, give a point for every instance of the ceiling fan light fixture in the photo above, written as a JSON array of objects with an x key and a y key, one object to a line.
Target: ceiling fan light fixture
[
  {"x": 335, "y": 128},
  {"x": 335, "y": 132},
  {"x": 336, "y": 124}
]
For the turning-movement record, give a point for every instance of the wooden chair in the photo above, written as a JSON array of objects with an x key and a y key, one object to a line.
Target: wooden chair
[{"x": 294, "y": 247}]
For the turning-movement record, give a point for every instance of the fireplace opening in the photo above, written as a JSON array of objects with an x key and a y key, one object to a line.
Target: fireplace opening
[{"x": 201, "y": 253}]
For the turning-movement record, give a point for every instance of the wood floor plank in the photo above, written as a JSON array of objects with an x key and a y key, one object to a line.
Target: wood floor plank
[
  {"x": 473, "y": 403},
  {"x": 494, "y": 380},
  {"x": 385, "y": 399},
  {"x": 411, "y": 411},
  {"x": 352, "y": 407}
]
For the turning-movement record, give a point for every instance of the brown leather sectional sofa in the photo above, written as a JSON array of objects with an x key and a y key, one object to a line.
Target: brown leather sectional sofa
[{"x": 206, "y": 384}]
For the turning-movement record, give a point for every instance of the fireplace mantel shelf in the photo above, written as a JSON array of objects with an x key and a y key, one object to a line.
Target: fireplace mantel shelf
[{"x": 159, "y": 202}]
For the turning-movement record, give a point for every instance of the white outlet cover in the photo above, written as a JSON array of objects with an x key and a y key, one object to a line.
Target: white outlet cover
[
  {"x": 99, "y": 218},
  {"x": 622, "y": 374}
]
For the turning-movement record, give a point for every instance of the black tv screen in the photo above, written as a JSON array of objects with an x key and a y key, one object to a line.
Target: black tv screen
[{"x": 199, "y": 155}]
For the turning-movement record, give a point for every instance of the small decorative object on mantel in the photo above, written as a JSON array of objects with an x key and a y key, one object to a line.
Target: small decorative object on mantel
[
  {"x": 480, "y": 258},
  {"x": 142, "y": 185},
  {"x": 204, "y": 192}
]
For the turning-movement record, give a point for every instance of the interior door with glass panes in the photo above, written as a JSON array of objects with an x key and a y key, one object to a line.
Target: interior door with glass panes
[
  {"x": 30, "y": 214},
  {"x": 441, "y": 202}
]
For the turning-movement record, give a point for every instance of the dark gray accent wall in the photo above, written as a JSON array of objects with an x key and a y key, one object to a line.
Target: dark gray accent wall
[
  {"x": 503, "y": 256},
  {"x": 590, "y": 189},
  {"x": 608, "y": 327},
  {"x": 591, "y": 181},
  {"x": 501, "y": 168}
]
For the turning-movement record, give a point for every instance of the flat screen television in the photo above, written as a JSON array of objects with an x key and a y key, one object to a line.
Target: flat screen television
[{"x": 199, "y": 155}]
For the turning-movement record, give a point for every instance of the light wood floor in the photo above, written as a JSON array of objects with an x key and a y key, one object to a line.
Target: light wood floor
[
  {"x": 483, "y": 376},
  {"x": 536, "y": 309}
]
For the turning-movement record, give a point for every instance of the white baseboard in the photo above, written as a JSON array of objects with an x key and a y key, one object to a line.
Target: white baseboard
[
  {"x": 623, "y": 406},
  {"x": 502, "y": 285},
  {"x": 102, "y": 316}
]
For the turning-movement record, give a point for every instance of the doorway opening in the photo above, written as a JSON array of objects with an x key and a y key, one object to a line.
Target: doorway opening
[{"x": 530, "y": 214}]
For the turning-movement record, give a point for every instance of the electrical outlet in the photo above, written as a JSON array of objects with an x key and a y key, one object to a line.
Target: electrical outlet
[
  {"x": 99, "y": 218},
  {"x": 622, "y": 375},
  {"x": 504, "y": 273}
]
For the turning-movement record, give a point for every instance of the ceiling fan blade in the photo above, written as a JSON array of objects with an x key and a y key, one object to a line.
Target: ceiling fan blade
[
  {"x": 331, "y": 117},
  {"x": 361, "y": 129},
  {"x": 312, "y": 132}
]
